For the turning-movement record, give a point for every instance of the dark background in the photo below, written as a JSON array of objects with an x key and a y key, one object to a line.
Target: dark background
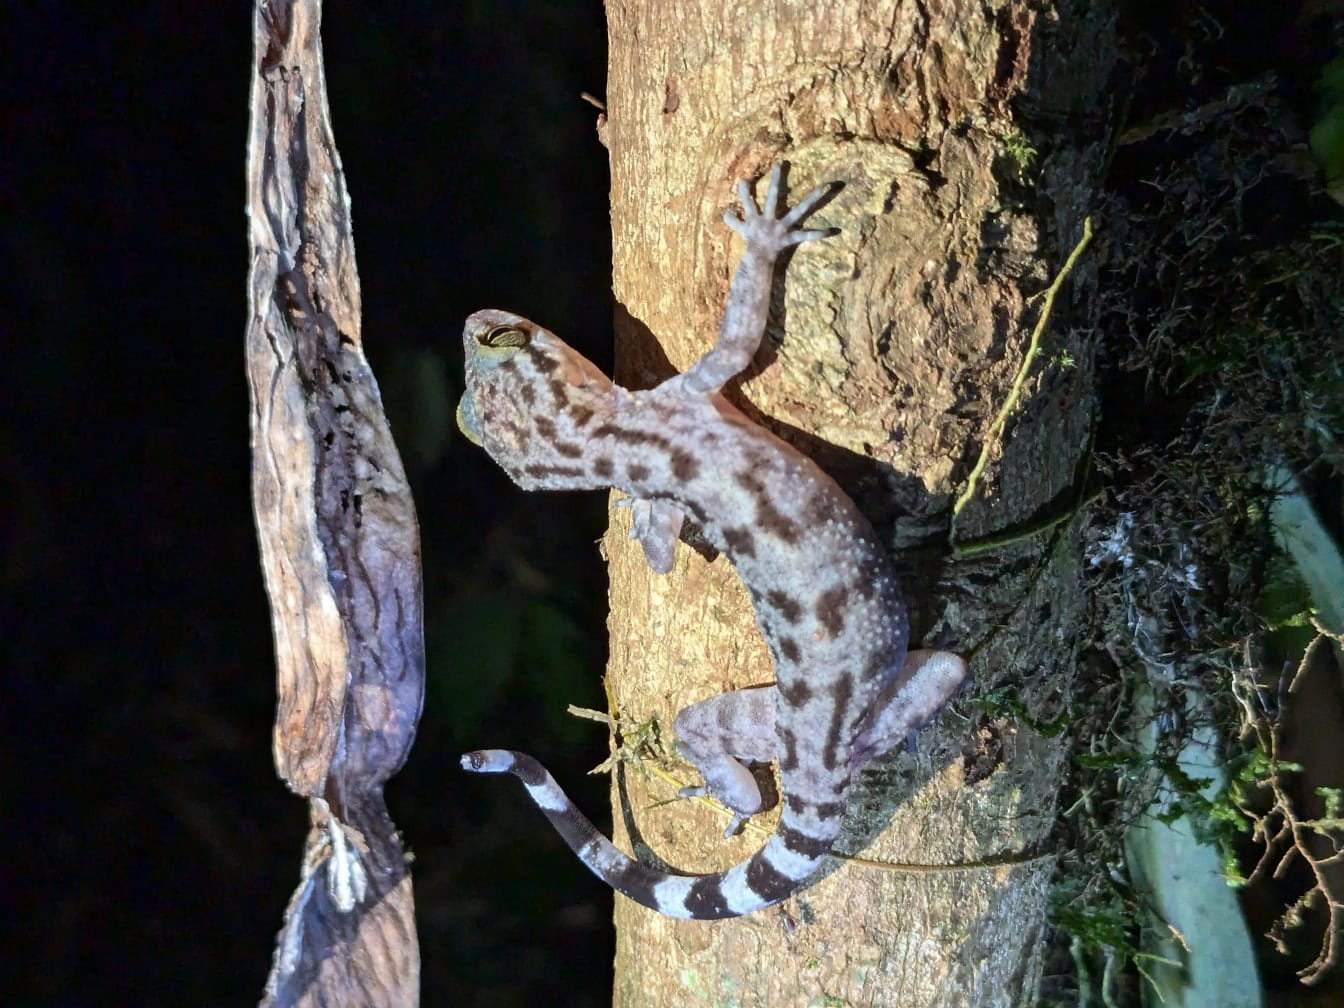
[{"x": 151, "y": 848}]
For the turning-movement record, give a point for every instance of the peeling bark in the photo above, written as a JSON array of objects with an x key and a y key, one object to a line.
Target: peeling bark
[
  {"x": 339, "y": 542},
  {"x": 890, "y": 348}
]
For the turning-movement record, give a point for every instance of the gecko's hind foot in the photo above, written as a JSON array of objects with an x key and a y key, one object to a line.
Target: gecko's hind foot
[{"x": 702, "y": 791}]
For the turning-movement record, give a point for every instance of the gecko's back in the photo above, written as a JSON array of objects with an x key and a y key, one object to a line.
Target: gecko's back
[{"x": 822, "y": 587}]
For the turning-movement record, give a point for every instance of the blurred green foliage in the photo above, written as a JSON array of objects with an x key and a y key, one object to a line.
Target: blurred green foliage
[{"x": 1327, "y": 132}]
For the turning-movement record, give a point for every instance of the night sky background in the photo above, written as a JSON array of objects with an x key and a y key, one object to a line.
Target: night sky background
[
  {"x": 154, "y": 848},
  {"x": 149, "y": 848}
]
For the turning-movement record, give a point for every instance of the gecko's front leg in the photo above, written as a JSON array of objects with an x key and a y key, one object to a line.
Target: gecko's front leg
[
  {"x": 744, "y": 318},
  {"x": 657, "y": 524}
]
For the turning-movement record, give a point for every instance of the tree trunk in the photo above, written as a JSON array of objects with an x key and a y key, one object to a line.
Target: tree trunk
[{"x": 891, "y": 350}]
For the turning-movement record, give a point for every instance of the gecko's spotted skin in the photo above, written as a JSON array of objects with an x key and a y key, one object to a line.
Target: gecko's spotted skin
[{"x": 823, "y": 589}]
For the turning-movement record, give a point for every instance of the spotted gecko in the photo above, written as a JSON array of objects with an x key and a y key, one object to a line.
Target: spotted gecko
[{"x": 821, "y": 585}]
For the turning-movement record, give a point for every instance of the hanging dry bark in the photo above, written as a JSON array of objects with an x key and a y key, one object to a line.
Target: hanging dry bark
[{"x": 339, "y": 542}]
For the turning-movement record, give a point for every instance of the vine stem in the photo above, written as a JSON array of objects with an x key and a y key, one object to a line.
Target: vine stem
[{"x": 1015, "y": 392}]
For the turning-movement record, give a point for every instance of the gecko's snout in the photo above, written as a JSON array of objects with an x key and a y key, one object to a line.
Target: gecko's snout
[{"x": 466, "y": 422}]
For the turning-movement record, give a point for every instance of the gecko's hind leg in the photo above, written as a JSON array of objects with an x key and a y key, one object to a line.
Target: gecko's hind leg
[
  {"x": 722, "y": 734},
  {"x": 927, "y": 681}
]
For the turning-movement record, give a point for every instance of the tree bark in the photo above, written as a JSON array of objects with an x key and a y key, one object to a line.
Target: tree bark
[
  {"x": 890, "y": 351},
  {"x": 339, "y": 542}
]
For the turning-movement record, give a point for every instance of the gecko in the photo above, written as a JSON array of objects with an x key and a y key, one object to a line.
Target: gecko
[{"x": 822, "y": 587}]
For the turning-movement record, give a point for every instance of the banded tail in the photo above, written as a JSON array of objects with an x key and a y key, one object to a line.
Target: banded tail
[
  {"x": 807, "y": 827},
  {"x": 789, "y": 858}
]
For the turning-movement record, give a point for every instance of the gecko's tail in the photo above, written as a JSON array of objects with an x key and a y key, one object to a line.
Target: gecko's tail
[
  {"x": 788, "y": 859},
  {"x": 807, "y": 826}
]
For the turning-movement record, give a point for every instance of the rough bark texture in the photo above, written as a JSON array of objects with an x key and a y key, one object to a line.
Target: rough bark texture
[
  {"x": 339, "y": 542},
  {"x": 891, "y": 348}
]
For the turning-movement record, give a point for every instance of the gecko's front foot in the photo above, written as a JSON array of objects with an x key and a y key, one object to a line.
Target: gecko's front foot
[{"x": 765, "y": 232}]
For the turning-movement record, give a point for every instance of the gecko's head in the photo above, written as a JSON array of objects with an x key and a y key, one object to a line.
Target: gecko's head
[
  {"x": 523, "y": 383},
  {"x": 490, "y": 340}
]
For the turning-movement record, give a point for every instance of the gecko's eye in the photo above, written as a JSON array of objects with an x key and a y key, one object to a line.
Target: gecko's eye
[{"x": 503, "y": 336}]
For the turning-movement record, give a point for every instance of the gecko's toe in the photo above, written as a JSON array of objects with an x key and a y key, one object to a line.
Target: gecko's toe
[{"x": 739, "y": 820}]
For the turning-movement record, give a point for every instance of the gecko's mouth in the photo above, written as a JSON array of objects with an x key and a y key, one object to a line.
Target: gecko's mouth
[{"x": 466, "y": 420}]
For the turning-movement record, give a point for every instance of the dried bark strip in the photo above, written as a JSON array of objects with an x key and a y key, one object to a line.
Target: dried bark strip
[{"x": 339, "y": 542}]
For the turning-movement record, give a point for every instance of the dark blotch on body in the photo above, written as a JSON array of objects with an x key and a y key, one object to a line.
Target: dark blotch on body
[
  {"x": 545, "y": 472},
  {"x": 842, "y": 692},
  {"x": 785, "y": 605},
  {"x": 865, "y": 584},
  {"x": 541, "y": 361},
  {"x": 822, "y": 810},
  {"x": 830, "y": 609},
  {"x": 694, "y": 510},
  {"x": 634, "y": 880},
  {"x": 776, "y": 522},
  {"x": 740, "y": 541},
  {"x": 749, "y": 481},
  {"x": 684, "y": 466},
  {"x": 820, "y": 507},
  {"x": 624, "y": 435},
  {"x": 788, "y": 755},
  {"x": 528, "y": 770}
]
